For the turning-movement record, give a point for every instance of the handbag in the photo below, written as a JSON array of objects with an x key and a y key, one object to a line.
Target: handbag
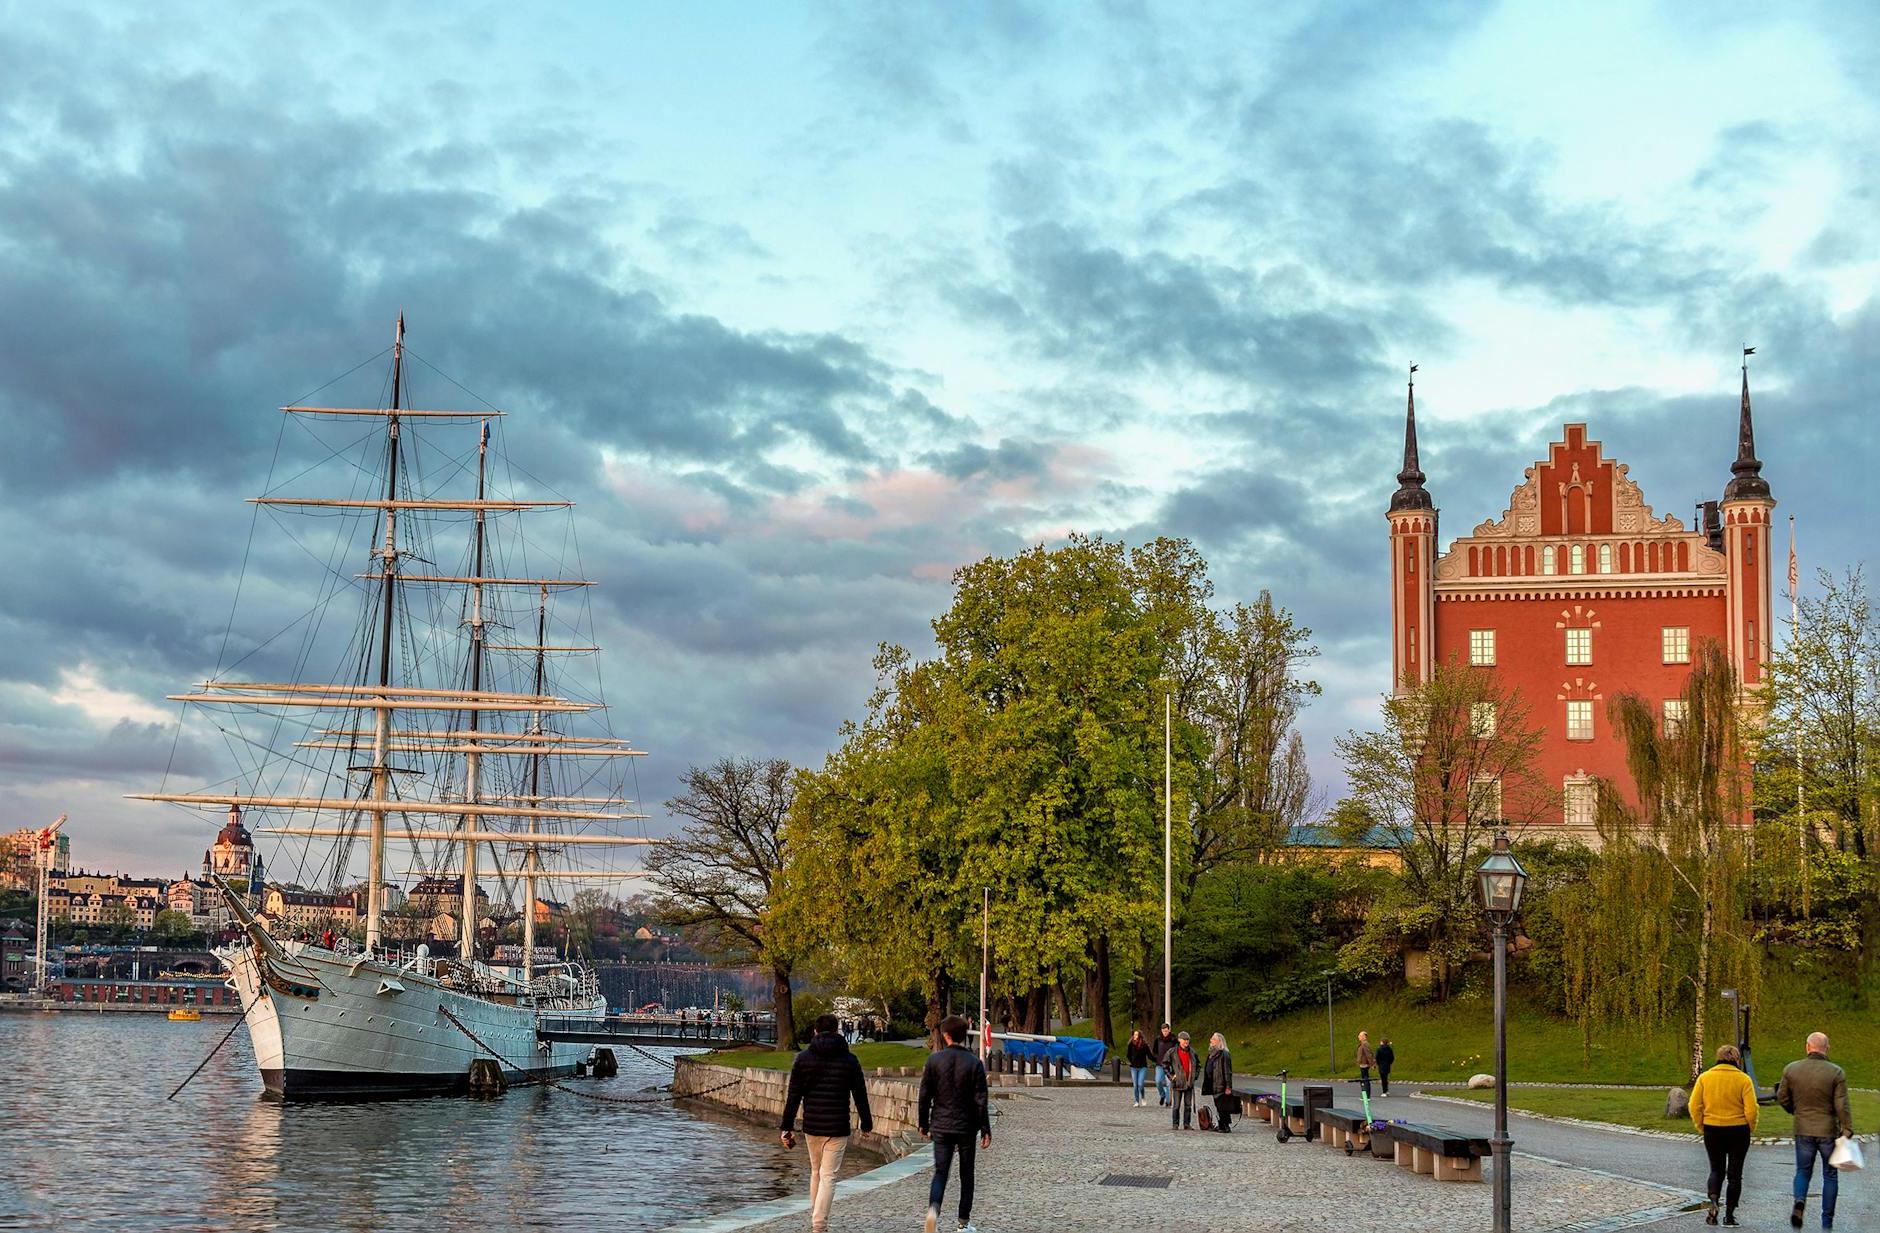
[{"x": 1847, "y": 1155}]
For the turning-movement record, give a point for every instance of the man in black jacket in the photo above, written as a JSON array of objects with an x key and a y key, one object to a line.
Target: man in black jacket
[
  {"x": 823, "y": 1079},
  {"x": 952, "y": 1111},
  {"x": 1217, "y": 1080}
]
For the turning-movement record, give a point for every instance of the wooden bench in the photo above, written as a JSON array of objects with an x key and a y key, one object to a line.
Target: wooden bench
[
  {"x": 1448, "y": 1155},
  {"x": 1346, "y": 1128},
  {"x": 1254, "y": 1103}
]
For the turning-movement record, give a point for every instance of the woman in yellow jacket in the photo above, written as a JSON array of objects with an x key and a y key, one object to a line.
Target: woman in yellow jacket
[{"x": 1723, "y": 1104}]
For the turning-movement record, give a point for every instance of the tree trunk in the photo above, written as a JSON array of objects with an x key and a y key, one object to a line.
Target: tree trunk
[
  {"x": 937, "y": 992},
  {"x": 1038, "y": 1010},
  {"x": 780, "y": 1002},
  {"x": 1703, "y": 988},
  {"x": 1063, "y": 997},
  {"x": 1100, "y": 990}
]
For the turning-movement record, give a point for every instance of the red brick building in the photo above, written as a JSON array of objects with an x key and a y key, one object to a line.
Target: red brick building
[{"x": 1579, "y": 592}]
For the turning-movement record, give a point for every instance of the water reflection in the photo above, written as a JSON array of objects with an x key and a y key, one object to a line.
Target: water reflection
[{"x": 91, "y": 1142}]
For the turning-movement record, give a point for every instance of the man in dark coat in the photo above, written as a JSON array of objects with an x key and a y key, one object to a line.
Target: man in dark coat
[
  {"x": 1217, "y": 1080},
  {"x": 823, "y": 1079},
  {"x": 952, "y": 1112},
  {"x": 1183, "y": 1069},
  {"x": 1386, "y": 1058},
  {"x": 1159, "y": 1049},
  {"x": 1815, "y": 1091}
]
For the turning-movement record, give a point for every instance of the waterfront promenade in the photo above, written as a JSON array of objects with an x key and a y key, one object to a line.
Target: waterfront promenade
[{"x": 1053, "y": 1146}]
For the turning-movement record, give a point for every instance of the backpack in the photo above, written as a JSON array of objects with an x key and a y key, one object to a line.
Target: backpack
[{"x": 1205, "y": 1118}]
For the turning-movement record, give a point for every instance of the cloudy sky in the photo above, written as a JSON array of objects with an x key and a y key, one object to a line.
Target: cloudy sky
[{"x": 806, "y": 305}]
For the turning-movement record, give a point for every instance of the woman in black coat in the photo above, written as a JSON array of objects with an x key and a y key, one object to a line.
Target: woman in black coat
[{"x": 1139, "y": 1057}]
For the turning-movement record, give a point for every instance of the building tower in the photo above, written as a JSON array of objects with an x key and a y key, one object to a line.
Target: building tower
[
  {"x": 233, "y": 856},
  {"x": 1412, "y": 559},
  {"x": 1746, "y": 510}
]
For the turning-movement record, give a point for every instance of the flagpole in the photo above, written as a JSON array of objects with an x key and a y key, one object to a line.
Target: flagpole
[{"x": 1801, "y": 799}]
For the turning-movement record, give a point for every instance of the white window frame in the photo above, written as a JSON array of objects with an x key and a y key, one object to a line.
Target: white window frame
[
  {"x": 1674, "y": 642},
  {"x": 1579, "y": 731},
  {"x": 1576, "y": 559},
  {"x": 1485, "y": 790},
  {"x": 1605, "y": 558},
  {"x": 1579, "y": 801},
  {"x": 1482, "y": 648},
  {"x": 1579, "y": 647},
  {"x": 1674, "y": 715},
  {"x": 1482, "y": 720},
  {"x": 1550, "y": 559}
]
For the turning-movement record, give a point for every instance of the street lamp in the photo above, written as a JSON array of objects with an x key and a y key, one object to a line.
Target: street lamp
[
  {"x": 1168, "y": 851},
  {"x": 1331, "y": 1033},
  {"x": 1501, "y": 881}
]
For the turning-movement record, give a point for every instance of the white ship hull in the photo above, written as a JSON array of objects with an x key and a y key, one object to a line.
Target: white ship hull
[{"x": 328, "y": 1025}]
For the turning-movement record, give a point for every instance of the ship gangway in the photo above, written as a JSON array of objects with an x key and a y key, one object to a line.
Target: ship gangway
[{"x": 654, "y": 1030}]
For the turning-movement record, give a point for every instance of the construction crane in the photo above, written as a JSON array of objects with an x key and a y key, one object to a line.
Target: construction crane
[{"x": 42, "y": 856}]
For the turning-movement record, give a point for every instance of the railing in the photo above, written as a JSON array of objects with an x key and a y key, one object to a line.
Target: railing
[{"x": 676, "y": 1029}]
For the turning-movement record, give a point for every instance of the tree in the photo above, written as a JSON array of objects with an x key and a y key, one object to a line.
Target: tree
[
  {"x": 1453, "y": 763},
  {"x": 1666, "y": 903},
  {"x": 174, "y": 927},
  {"x": 720, "y": 872}
]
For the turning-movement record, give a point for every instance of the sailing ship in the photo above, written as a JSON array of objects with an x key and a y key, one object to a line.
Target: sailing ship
[{"x": 420, "y": 750}]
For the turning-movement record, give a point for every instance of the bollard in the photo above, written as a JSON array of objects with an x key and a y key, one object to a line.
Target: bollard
[
  {"x": 486, "y": 1078},
  {"x": 1116, "y": 1070}
]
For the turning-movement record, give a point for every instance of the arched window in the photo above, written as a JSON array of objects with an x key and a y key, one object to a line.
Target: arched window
[
  {"x": 1605, "y": 558},
  {"x": 1576, "y": 559}
]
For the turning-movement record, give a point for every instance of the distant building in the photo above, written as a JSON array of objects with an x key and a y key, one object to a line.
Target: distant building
[
  {"x": 308, "y": 910},
  {"x": 16, "y": 954},
  {"x": 232, "y": 856},
  {"x": 1579, "y": 592},
  {"x": 19, "y": 857}
]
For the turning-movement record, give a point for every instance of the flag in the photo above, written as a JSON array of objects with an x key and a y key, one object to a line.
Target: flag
[
  {"x": 486, "y": 433},
  {"x": 1795, "y": 574}
]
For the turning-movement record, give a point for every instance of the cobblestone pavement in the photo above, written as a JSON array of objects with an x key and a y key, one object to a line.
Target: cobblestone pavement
[{"x": 1052, "y": 1146}]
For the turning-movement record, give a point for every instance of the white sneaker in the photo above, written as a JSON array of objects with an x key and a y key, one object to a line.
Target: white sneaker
[{"x": 967, "y": 1228}]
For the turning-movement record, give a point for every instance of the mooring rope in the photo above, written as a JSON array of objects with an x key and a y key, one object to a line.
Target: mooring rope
[
  {"x": 562, "y": 1087},
  {"x": 241, "y": 1019}
]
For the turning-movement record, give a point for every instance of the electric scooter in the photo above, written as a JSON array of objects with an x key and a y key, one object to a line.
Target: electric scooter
[
  {"x": 1364, "y": 1093},
  {"x": 1285, "y": 1127}
]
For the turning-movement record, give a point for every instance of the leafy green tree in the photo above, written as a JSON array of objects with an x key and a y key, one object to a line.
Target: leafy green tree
[
  {"x": 1452, "y": 764},
  {"x": 174, "y": 927},
  {"x": 719, "y": 873}
]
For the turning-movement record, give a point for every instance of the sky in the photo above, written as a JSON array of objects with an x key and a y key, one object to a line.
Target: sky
[{"x": 805, "y": 305}]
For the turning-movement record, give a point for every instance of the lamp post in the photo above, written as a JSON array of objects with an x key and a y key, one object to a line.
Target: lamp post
[
  {"x": 1168, "y": 853},
  {"x": 1501, "y": 879},
  {"x": 985, "y": 968}
]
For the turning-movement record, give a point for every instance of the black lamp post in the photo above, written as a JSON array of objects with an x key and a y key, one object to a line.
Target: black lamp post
[{"x": 1501, "y": 881}]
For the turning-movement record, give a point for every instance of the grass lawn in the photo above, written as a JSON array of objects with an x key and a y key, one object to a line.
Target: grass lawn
[
  {"x": 1646, "y": 1109},
  {"x": 871, "y": 1056},
  {"x": 1455, "y": 1040}
]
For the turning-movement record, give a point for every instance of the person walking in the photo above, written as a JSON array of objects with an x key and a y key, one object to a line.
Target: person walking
[
  {"x": 1183, "y": 1067},
  {"x": 1815, "y": 1091},
  {"x": 1163, "y": 1046},
  {"x": 823, "y": 1079},
  {"x": 1386, "y": 1058},
  {"x": 1723, "y": 1107},
  {"x": 1217, "y": 1080},
  {"x": 1139, "y": 1058},
  {"x": 1365, "y": 1060},
  {"x": 952, "y": 1112}
]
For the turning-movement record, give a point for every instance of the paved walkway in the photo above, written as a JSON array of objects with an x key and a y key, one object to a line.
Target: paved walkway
[{"x": 1052, "y": 1147}]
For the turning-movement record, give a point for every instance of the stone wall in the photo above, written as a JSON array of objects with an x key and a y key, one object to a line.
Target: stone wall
[{"x": 759, "y": 1095}]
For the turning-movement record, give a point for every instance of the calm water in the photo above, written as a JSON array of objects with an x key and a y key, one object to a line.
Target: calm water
[{"x": 88, "y": 1141}]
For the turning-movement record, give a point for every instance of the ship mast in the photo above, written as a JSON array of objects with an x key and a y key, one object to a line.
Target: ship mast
[
  {"x": 381, "y": 773},
  {"x": 473, "y": 761},
  {"x": 532, "y": 862}
]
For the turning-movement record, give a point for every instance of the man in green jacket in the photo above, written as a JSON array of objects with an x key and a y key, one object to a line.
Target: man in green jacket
[{"x": 1815, "y": 1091}]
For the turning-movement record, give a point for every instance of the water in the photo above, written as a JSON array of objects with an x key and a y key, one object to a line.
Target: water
[{"x": 87, "y": 1140}]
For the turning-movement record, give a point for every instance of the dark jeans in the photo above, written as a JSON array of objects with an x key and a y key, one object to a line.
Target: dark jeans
[
  {"x": 1223, "y": 1115},
  {"x": 944, "y": 1148},
  {"x": 1727, "y": 1147},
  {"x": 1383, "y": 1077},
  {"x": 1182, "y": 1111},
  {"x": 1807, "y": 1147},
  {"x": 1364, "y": 1079}
]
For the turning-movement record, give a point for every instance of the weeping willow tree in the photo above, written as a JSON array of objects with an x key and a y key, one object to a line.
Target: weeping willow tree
[{"x": 1665, "y": 909}]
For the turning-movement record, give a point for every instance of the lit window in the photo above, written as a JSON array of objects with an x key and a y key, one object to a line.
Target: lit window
[
  {"x": 1674, "y": 715},
  {"x": 1485, "y": 798},
  {"x": 1576, "y": 559},
  {"x": 1482, "y": 720},
  {"x": 1605, "y": 558},
  {"x": 1579, "y": 721},
  {"x": 1579, "y": 646},
  {"x": 1677, "y": 644},
  {"x": 1550, "y": 559},
  {"x": 1482, "y": 647},
  {"x": 1581, "y": 796}
]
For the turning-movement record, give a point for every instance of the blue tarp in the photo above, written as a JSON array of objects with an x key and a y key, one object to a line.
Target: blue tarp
[{"x": 1080, "y": 1051}]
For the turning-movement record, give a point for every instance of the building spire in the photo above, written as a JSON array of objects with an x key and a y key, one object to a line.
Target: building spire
[
  {"x": 1746, "y": 481},
  {"x": 1410, "y": 493}
]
